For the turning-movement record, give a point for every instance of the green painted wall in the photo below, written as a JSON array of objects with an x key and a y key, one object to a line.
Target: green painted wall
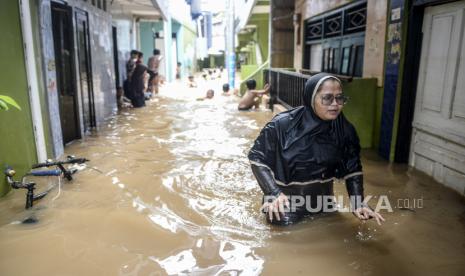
[
  {"x": 378, "y": 113},
  {"x": 146, "y": 37},
  {"x": 256, "y": 74},
  {"x": 243, "y": 40},
  {"x": 262, "y": 33},
  {"x": 17, "y": 147},
  {"x": 361, "y": 108},
  {"x": 247, "y": 70}
]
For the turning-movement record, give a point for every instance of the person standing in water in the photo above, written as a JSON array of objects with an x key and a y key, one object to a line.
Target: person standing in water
[
  {"x": 137, "y": 83},
  {"x": 153, "y": 65},
  {"x": 300, "y": 153}
]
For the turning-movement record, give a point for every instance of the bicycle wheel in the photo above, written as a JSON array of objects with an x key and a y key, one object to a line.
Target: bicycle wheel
[{"x": 44, "y": 188}]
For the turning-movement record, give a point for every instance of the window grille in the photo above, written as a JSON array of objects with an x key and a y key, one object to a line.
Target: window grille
[{"x": 340, "y": 34}]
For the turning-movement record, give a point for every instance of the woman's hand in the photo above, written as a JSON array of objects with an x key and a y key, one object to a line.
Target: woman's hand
[
  {"x": 276, "y": 206},
  {"x": 365, "y": 213}
]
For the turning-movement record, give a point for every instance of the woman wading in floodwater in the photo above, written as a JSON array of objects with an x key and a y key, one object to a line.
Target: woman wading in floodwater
[{"x": 300, "y": 152}]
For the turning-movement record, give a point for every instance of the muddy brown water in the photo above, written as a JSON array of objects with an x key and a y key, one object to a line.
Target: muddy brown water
[{"x": 170, "y": 191}]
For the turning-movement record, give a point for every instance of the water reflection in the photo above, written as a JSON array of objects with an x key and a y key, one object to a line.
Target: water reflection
[
  {"x": 170, "y": 191},
  {"x": 235, "y": 259}
]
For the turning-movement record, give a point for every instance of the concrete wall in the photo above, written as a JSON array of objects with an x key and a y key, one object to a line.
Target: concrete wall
[
  {"x": 125, "y": 40},
  {"x": 17, "y": 147},
  {"x": 103, "y": 76},
  {"x": 102, "y": 61},
  {"x": 282, "y": 34},
  {"x": 146, "y": 39},
  {"x": 375, "y": 40},
  {"x": 186, "y": 35}
]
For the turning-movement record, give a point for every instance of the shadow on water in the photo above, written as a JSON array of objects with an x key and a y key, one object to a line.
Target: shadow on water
[{"x": 171, "y": 192}]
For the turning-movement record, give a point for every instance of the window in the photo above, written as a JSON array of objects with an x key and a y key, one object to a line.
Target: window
[
  {"x": 358, "y": 60},
  {"x": 315, "y": 57},
  {"x": 100, "y": 4},
  {"x": 345, "y": 60},
  {"x": 334, "y": 41}
]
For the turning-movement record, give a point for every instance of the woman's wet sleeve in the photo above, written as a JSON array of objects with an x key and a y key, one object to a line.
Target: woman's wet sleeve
[
  {"x": 265, "y": 180},
  {"x": 351, "y": 159},
  {"x": 352, "y": 167},
  {"x": 262, "y": 159}
]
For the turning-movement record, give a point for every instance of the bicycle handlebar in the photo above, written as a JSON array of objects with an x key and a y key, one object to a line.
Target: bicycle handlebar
[
  {"x": 57, "y": 163},
  {"x": 46, "y": 173},
  {"x": 30, "y": 186}
]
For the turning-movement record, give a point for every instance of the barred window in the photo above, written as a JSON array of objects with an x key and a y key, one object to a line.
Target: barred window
[{"x": 334, "y": 41}]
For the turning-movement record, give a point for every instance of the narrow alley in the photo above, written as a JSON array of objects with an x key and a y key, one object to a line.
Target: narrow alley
[
  {"x": 235, "y": 137},
  {"x": 169, "y": 190}
]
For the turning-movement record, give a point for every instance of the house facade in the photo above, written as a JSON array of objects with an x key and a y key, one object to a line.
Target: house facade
[{"x": 414, "y": 50}]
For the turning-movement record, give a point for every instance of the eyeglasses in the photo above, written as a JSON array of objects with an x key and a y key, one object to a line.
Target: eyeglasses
[{"x": 327, "y": 99}]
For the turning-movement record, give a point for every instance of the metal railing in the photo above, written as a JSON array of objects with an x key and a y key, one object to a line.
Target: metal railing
[{"x": 286, "y": 87}]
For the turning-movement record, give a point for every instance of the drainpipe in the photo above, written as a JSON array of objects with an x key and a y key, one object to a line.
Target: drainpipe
[
  {"x": 33, "y": 87},
  {"x": 167, "y": 31}
]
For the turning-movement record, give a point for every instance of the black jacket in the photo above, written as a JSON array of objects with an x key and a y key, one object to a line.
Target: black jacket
[{"x": 297, "y": 151}]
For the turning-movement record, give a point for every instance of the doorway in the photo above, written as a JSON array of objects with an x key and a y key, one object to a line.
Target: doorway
[
  {"x": 160, "y": 45},
  {"x": 115, "y": 56},
  {"x": 85, "y": 70},
  {"x": 62, "y": 26},
  {"x": 438, "y": 133}
]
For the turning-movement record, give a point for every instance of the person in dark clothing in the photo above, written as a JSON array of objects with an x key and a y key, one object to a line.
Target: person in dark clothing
[
  {"x": 130, "y": 66},
  {"x": 300, "y": 152},
  {"x": 137, "y": 85},
  {"x": 131, "y": 63}
]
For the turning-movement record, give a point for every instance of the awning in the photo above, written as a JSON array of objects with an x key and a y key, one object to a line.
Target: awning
[{"x": 150, "y": 9}]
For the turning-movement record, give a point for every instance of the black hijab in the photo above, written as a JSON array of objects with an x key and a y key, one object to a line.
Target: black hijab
[
  {"x": 299, "y": 136},
  {"x": 137, "y": 78}
]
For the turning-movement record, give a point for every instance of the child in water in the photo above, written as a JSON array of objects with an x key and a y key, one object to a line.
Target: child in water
[
  {"x": 210, "y": 94},
  {"x": 252, "y": 97}
]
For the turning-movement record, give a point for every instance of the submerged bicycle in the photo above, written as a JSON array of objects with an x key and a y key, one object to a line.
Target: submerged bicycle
[{"x": 65, "y": 168}]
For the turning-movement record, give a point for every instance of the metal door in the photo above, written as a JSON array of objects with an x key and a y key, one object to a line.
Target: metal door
[
  {"x": 66, "y": 83},
  {"x": 85, "y": 70}
]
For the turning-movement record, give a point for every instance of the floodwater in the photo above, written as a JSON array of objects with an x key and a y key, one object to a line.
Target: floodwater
[{"x": 169, "y": 190}]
